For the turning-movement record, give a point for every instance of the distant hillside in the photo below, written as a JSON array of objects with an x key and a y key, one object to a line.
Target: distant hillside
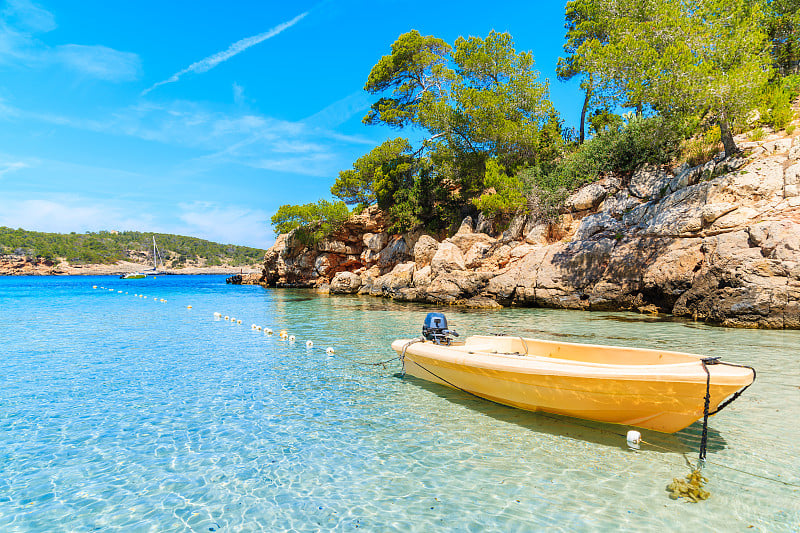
[{"x": 107, "y": 247}]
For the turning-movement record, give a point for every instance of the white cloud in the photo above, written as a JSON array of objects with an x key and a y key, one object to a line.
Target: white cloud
[
  {"x": 227, "y": 224},
  {"x": 65, "y": 213},
  {"x": 238, "y": 94},
  {"x": 340, "y": 111},
  {"x": 207, "y": 63},
  {"x": 28, "y": 16},
  {"x": 5, "y": 168},
  {"x": 22, "y": 20},
  {"x": 305, "y": 147},
  {"x": 99, "y": 62}
]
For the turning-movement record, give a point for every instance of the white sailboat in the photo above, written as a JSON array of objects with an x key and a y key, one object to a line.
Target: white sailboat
[{"x": 157, "y": 259}]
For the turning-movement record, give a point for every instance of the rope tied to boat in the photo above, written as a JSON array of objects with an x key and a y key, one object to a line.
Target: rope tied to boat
[
  {"x": 704, "y": 437},
  {"x": 692, "y": 487},
  {"x": 403, "y": 353}
]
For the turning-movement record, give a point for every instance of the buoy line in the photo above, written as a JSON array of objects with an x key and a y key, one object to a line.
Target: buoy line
[{"x": 283, "y": 334}]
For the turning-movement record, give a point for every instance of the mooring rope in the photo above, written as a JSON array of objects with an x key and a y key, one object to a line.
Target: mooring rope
[{"x": 707, "y": 400}]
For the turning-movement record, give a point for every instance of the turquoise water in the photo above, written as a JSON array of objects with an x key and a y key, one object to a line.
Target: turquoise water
[{"x": 124, "y": 413}]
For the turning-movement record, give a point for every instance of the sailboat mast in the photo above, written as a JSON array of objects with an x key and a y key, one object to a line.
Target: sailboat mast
[{"x": 156, "y": 255}]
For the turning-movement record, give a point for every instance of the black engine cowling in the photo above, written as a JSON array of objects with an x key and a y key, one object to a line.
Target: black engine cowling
[{"x": 435, "y": 329}]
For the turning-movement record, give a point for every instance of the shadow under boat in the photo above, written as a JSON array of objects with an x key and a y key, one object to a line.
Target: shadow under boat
[{"x": 685, "y": 441}]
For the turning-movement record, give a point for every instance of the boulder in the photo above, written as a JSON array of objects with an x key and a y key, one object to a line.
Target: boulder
[
  {"x": 424, "y": 250},
  {"x": 476, "y": 254},
  {"x": 375, "y": 242},
  {"x": 397, "y": 251},
  {"x": 422, "y": 276},
  {"x": 791, "y": 175},
  {"x": 777, "y": 240},
  {"x": 537, "y": 233},
  {"x": 483, "y": 225},
  {"x": 599, "y": 224},
  {"x": 515, "y": 228},
  {"x": 618, "y": 204},
  {"x": 466, "y": 226},
  {"x": 448, "y": 257},
  {"x": 587, "y": 197},
  {"x": 345, "y": 283},
  {"x": 455, "y": 286},
  {"x": 649, "y": 183},
  {"x": 466, "y": 241},
  {"x": 326, "y": 263},
  {"x": 794, "y": 152}
]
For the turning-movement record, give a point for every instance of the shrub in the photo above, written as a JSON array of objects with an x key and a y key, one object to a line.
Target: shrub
[
  {"x": 616, "y": 149},
  {"x": 756, "y": 134},
  {"x": 790, "y": 129},
  {"x": 701, "y": 147},
  {"x": 776, "y": 104}
]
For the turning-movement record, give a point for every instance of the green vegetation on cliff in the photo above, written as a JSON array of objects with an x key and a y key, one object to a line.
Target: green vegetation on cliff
[
  {"x": 689, "y": 74},
  {"x": 109, "y": 247}
]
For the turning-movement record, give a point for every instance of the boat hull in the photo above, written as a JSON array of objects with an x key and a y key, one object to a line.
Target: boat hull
[{"x": 664, "y": 397}]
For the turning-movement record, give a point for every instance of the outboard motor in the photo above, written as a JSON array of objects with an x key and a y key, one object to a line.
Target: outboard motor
[{"x": 435, "y": 329}]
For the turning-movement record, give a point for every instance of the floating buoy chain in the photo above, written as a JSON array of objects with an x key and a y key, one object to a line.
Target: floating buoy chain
[{"x": 284, "y": 334}]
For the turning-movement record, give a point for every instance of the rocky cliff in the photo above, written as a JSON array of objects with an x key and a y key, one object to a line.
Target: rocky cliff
[{"x": 718, "y": 242}]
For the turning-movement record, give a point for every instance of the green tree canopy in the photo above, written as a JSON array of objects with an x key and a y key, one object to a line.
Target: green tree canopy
[
  {"x": 679, "y": 58},
  {"x": 314, "y": 221},
  {"x": 376, "y": 175},
  {"x": 414, "y": 71},
  {"x": 475, "y": 100}
]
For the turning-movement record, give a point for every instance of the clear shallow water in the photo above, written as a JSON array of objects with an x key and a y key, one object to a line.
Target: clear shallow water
[{"x": 123, "y": 413}]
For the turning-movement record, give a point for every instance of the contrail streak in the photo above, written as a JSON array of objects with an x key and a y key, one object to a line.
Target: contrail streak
[{"x": 206, "y": 64}]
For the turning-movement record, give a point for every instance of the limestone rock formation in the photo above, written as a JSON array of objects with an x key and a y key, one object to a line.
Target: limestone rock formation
[{"x": 718, "y": 242}]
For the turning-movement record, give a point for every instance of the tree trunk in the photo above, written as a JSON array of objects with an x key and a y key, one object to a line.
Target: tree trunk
[
  {"x": 588, "y": 86},
  {"x": 583, "y": 115},
  {"x": 727, "y": 137}
]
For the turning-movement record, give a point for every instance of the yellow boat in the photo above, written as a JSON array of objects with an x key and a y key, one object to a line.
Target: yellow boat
[{"x": 653, "y": 389}]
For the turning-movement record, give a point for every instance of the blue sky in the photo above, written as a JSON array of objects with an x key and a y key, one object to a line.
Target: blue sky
[{"x": 201, "y": 118}]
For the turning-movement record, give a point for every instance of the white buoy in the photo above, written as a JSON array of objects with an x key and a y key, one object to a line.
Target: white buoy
[
  {"x": 268, "y": 331},
  {"x": 309, "y": 344},
  {"x": 634, "y": 439},
  {"x": 238, "y": 321},
  {"x": 227, "y": 317},
  {"x": 329, "y": 350},
  {"x": 217, "y": 315},
  {"x": 283, "y": 334},
  {"x": 258, "y": 328},
  {"x": 291, "y": 338}
]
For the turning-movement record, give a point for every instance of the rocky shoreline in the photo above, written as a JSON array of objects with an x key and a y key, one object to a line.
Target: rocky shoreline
[
  {"x": 718, "y": 242},
  {"x": 18, "y": 265}
]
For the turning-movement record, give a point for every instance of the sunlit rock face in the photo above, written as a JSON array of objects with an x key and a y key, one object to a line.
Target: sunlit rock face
[{"x": 719, "y": 242}]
